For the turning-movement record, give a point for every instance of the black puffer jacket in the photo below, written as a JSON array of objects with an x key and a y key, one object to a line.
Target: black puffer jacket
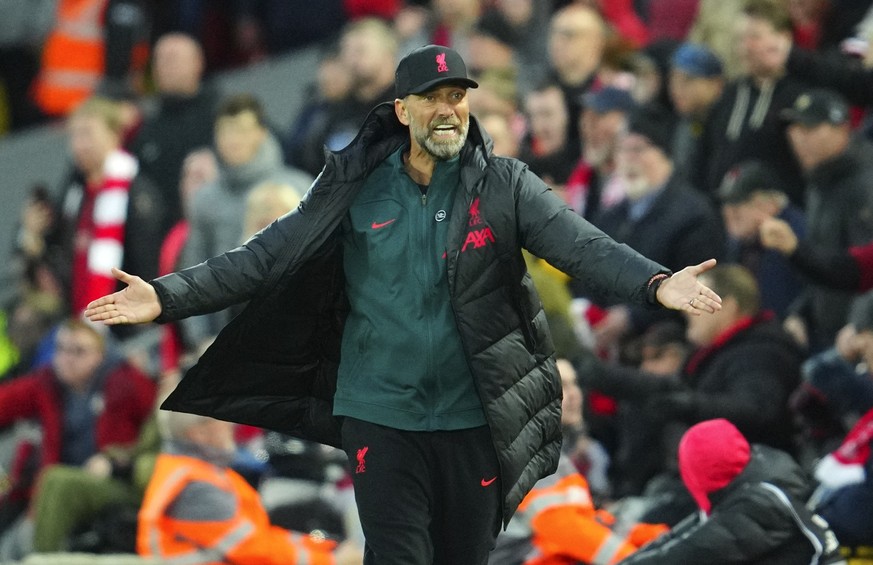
[
  {"x": 275, "y": 365},
  {"x": 757, "y": 519}
]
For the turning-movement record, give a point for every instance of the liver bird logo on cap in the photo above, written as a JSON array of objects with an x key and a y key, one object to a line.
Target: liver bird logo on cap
[{"x": 442, "y": 67}]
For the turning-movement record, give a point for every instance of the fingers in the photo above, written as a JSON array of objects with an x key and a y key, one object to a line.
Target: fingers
[
  {"x": 702, "y": 267},
  {"x": 100, "y": 304},
  {"x": 122, "y": 276},
  {"x": 701, "y": 304}
]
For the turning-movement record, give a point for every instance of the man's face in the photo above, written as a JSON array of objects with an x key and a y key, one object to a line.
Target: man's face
[
  {"x": 743, "y": 219},
  {"x": 547, "y": 115},
  {"x": 637, "y": 162},
  {"x": 238, "y": 138},
  {"x": 364, "y": 54},
  {"x": 91, "y": 141},
  {"x": 813, "y": 144},
  {"x": 691, "y": 94},
  {"x": 575, "y": 40},
  {"x": 78, "y": 354},
  {"x": 178, "y": 65},
  {"x": 438, "y": 120},
  {"x": 756, "y": 40},
  {"x": 600, "y": 133}
]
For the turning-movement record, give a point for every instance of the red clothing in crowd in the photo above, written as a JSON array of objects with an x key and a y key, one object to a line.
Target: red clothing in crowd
[
  {"x": 99, "y": 243},
  {"x": 128, "y": 399}
]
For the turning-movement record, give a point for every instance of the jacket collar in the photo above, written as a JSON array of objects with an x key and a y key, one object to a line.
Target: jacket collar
[{"x": 382, "y": 134}]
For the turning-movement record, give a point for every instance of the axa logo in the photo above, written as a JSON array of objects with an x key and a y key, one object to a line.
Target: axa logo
[
  {"x": 362, "y": 465},
  {"x": 478, "y": 238},
  {"x": 441, "y": 63}
]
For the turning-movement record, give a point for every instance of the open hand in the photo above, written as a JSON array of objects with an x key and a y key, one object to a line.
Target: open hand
[
  {"x": 684, "y": 292},
  {"x": 137, "y": 303}
]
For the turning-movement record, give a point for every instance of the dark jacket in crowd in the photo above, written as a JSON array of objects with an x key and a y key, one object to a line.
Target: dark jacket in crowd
[
  {"x": 745, "y": 124},
  {"x": 275, "y": 364},
  {"x": 746, "y": 376},
  {"x": 758, "y": 518},
  {"x": 780, "y": 284},
  {"x": 178, "y": 126},
  {"x": 680, "y": 228},
  {"x": 846, "y": 75},
  {"x": 839, "y": 216}
]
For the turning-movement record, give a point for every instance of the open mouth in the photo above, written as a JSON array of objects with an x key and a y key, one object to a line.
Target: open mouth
[{"x": 445, "y": 130}]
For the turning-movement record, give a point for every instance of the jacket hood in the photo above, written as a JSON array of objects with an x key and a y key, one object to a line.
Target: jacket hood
[
  {"x": 267, "y": 160},
  {"x": 711, "y": 455}
]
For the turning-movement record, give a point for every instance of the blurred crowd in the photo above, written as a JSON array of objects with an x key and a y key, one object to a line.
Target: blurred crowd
[{"x": 687, "y": 129}]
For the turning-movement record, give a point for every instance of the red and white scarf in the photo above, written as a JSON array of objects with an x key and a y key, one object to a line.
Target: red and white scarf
[
  {"x": 845, "y": 465},
  {"x": 99, "y": 236}
]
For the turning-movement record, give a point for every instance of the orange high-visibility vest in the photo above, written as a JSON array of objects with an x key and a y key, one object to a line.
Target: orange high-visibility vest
[
  {"x": 72, "y": 58},
  {"x": 568, "y": 529},
  {"x": 247, "y": 538}
]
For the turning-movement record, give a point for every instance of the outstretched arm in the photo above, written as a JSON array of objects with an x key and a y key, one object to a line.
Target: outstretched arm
[
  {"x": 683, "y": 291},
  {"x": 137, "y": 303}
]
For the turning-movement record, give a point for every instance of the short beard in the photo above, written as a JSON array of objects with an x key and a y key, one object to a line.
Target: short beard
[{"x": 439, "y": 150}]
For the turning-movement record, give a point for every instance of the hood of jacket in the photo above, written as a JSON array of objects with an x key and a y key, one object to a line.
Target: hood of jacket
[
  {"x": 267, "y": 161},
  {"x": 711, "y": 455}
]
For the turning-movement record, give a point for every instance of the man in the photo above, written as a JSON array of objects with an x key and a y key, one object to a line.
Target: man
[
  {"x": 695, "y": 85},
  {"x": 661, "y": 217},
  {"x": 640, "y": 450},
  {"x": 841, "y": 269},
  {"x": 368, "y": 51},
  {"x": 396, "y": 297},
  {"x": 558, "y": 524},
  {"x": 197, "y": 509},
  {"x": 750, "y": 195},
  {"x": 577, "y": 39},
  {"x": 744, "y": 368},
  {"x": 88, "y": 402},
  {"x": 751, "y": 501},
  {"x": 593, "y": 184},
  {"x": 107, "y": 213},
  {"x": 547, "y": 148},
  {"x": 248, "y": 155},
  {"x": 180, "y": 123},
  {"x": 839, "y": 202},
  {"x": 745, "y": 122}
]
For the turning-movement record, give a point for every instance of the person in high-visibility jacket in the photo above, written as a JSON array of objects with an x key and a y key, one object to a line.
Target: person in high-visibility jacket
[
  {"x": 198, "y": 511},
  {"x": 566, "y": 528}
]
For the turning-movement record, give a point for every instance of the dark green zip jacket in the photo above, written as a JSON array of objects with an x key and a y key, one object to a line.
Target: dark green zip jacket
[
  {"x": 403, "y": 362},
  {"x": 275, "y": 365}
]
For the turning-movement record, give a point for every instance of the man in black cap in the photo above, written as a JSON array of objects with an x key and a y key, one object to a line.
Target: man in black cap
[
  {"x": 661, "y": 216},
  {"x": 750, "y": 195},
  {"x": 839, "y": 204},
  {"x": 391, "y": 314}
]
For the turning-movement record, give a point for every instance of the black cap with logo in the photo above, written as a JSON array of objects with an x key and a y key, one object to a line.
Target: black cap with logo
[
  {"x": 428, "y": 67},
  {"x": 745, "y": 179},
  {"x": 817, "y": 106}
]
